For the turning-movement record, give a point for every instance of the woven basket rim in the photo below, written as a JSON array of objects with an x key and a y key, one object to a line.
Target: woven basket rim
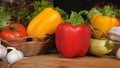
[
  {"x": 33, "y": 48},
  {"x": 40, "y": 40},
  {"x": 106, "y": 35}
]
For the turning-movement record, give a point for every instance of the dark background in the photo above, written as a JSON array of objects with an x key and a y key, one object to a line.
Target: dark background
[{"x": 77, "y": 5}]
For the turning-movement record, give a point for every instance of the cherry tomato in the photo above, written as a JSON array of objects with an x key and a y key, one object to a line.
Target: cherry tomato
[{"x": 13, "y": 30}]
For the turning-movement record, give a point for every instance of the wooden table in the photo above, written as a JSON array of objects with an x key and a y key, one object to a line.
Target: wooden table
[
  {"x": 58, "y": 61},
  {"x": 3, "y": 64}
]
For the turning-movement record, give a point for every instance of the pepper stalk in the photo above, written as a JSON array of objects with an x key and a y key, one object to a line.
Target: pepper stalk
[{"x": 76, "y": 18}]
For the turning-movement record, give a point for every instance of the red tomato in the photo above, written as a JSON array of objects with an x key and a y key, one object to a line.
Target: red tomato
[{"x": 14, "y": 30}]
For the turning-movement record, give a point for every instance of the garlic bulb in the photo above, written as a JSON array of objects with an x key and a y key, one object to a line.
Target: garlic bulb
[
  {"x": 3, "y": 50},
  {"x": 14, "y": 55},
  {"x": 118, "y": 54},
  {"x": 114, "y": 33}
]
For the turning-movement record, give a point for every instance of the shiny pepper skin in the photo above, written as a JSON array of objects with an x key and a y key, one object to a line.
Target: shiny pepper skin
[
  {"x": 104, "y": 23},
  {"x": 72, "y": 40},
  {"x": 44, "y": 23}
]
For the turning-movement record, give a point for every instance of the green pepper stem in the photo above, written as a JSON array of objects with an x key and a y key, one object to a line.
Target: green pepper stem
[
  {"x": 109, "y": 44},
  {"x": 76, "y": 18},
  {"x": 79, "y": 19}
]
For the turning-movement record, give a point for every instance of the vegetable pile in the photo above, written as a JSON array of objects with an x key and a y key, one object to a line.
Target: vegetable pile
[
  {"x": 103, "y": 18},
  {"x": 24, "y": 12},
  {"x": 104, "y": 21},
  {"x": 93, "y": 31}
]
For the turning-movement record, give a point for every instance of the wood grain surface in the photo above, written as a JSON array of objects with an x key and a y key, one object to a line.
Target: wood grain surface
[
  {"x": 3, "y": 64},
  {"x": 58, "y": 61}
]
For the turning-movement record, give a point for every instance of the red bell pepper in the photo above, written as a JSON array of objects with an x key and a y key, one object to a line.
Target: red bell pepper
[
  {"x": 118, "y": 19},
  {"x": 73, "y": 38}
]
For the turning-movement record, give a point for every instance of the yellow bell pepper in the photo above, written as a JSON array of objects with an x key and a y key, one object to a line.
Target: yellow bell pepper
[
  {"x": 44, "y": 23},
  {"x": 104, "y": 23}
]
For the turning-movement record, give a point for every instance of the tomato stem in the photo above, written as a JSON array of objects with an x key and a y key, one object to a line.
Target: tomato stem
[{"x": 13, "y": 28}]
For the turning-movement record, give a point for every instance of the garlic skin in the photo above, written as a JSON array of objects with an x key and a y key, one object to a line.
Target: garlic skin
[
  {"x": 3, "y": 50},
  {"x": 114, "y": 33},
  {"x": 14, "y": 55},
  {"x": 118, "y": 54}
]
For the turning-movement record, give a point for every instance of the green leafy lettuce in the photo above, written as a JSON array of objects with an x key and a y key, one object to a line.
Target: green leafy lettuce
[
  {"x": 106, "y": 10},
  {"x": 5, "y": 17}
]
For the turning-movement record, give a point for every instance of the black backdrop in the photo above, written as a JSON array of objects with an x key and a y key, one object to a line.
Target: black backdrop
[{"x": 77, "y": 5}]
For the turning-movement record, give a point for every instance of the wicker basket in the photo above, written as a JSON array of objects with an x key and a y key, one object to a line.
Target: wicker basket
[
  {"x": 105, "y": 36},
  {"x": 31, "y": 46}
]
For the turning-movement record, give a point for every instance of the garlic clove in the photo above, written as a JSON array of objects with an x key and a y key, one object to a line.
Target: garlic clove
[
  {"x": 114, "y": 33},
  {"x": 118, "y": 54},
  {"x": 116, "y": 38},
  {"x": 14, "y": 55},
  {"x": 3, "y": 50}
]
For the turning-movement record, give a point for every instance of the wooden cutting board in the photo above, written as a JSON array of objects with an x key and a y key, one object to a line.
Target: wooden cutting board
[
  {"x": 3, "y": 64},
  {"x": 58, "y": 61}
]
